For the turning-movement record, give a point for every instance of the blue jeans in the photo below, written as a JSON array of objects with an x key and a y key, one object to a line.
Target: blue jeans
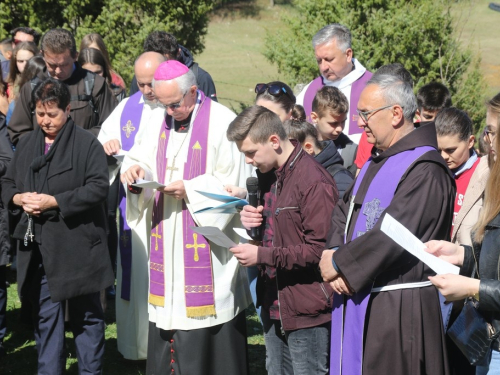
[
  {"x": 300, "y": 352},
  {"x": 493, "y": 366},
  {"x": 252, "y": 273}
]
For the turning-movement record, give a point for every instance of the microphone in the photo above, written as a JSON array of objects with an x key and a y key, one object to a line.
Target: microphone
[{"x": 253, "y": 200}]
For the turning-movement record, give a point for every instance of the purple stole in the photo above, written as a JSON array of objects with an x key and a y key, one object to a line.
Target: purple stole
[
  {"x": 198, "y": 279},
  {"x": 356, "y": 89},
  {"x": 348, "y": 314},
  {"x": 130, "y": 122}
]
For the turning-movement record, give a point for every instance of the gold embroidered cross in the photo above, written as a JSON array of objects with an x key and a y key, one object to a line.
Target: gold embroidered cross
[
  {"x": 125, "y": 238},
  {"x": 128, "y": 128},
  {"x": 195, "y": 246},
  {"x": 156, "y": 236},
  {"x": 172, "y": 169}
]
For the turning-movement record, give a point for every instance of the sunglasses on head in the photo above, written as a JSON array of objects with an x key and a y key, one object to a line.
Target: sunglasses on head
[{"x": 274, "y": 89}]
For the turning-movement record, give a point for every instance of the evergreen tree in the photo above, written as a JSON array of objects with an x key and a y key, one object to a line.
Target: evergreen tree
[
  {"x": 419, "y": 34},
  {"x": 124, "y": 24}
]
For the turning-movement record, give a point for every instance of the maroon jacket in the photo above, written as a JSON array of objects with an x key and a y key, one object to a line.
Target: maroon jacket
[{"x": 306, "y": 195}]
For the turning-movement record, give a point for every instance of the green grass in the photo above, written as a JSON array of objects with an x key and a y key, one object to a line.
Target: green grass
[
  {"x": 233, "y": 56},
  {"x": 233, "y": 50},
  {"x": 21, "y": 355},
  {"x": 479, "y": 27},
  {"x": 236, "y": 36}
]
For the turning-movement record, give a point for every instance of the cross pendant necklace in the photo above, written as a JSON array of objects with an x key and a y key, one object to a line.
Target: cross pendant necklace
[{"x": 173, "y": 168}]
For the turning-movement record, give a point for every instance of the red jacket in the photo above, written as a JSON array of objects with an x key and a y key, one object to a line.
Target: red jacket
[{"x": 306, "y": 195}]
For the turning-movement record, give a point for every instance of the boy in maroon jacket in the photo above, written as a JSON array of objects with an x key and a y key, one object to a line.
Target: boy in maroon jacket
[{"x": 296, "y": 303}]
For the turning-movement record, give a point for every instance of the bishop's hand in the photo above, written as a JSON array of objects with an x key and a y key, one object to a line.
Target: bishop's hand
[
  {"x": 236, "y": 191},
  {"x": 176, "y": 190}
]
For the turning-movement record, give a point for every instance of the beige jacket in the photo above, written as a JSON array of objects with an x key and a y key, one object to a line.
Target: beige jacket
[{"x": 473, "y": 203}]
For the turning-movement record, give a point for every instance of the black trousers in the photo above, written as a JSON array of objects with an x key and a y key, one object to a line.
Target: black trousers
[
  {"x": 217, "y": 350},
  {"x": 112, "y": 203},
  {"x": 87, "y": 324}
]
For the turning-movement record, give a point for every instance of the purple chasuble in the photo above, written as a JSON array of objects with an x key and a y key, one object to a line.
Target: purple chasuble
[
  {"x": 198, "y": 277},
  {"x": 356, "y": 88},
  {"x": 130, "y": 122},
  {"x": 315, "y": 85},
  {"x": 348, "y": 314}
]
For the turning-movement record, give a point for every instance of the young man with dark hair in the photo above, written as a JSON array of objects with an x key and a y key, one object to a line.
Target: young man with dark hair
[
  {"x": 296, "y": 304},
  {"x": 5, "y": 49},
  {"x": 167, "y": 44},
  {"x": 431, "y": 98},
  {"x": 329, "y": 114},
  {"x": 91, "y": 99},
  {"x": 24, "y": 34}
]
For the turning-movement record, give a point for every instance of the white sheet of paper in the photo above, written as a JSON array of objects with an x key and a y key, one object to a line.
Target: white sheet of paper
[
  {"x": 404, "y": 238},
  {"x": 242, "y": 233},
  {"x": 119, "y": 157},
  {"x": 147, "y": 184},
  {"x": 214, "y": 235}
]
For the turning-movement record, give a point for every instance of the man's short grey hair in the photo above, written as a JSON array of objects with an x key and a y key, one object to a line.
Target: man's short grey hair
[
  {"x": 396, "y": 91},
  {"x": 340, "y": 33},
  {"x": 185, "y": 81}
]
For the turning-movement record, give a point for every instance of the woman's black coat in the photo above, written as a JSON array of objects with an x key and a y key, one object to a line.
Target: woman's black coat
[
  {"x": 73, "y": 241},
  {"x": 487, "y": 255},
  {"x": 6, "y": 154}
]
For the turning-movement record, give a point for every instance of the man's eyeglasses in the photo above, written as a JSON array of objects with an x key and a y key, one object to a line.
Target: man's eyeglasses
[
  {"x": 172, "y": 106},
  {"x": 274, "y": 89},
  {"x": 364, "y": 114}
]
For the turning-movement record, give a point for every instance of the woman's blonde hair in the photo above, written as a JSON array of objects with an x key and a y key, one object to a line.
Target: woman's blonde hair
[{"x": 491, "y": 204}]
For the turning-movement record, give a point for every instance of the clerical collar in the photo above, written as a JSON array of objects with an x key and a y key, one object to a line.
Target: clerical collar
[
  {"x": 183, "y": 126},
  {"x": 151, "y": 103}
]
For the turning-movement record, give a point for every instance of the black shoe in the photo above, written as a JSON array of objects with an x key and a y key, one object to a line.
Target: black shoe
[
  {"x": 110, "y": 292},
  {"x": 2, "y": 351}
]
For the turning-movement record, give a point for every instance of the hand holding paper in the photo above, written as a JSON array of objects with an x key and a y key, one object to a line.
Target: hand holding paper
[
  {"x": 455, "y": 287},
  {"x": 175, "y": 189},
  {"x": 132, "y": 175},
  {"x": 246, "y": 254},
  {"x": 447, "y": 251}
]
